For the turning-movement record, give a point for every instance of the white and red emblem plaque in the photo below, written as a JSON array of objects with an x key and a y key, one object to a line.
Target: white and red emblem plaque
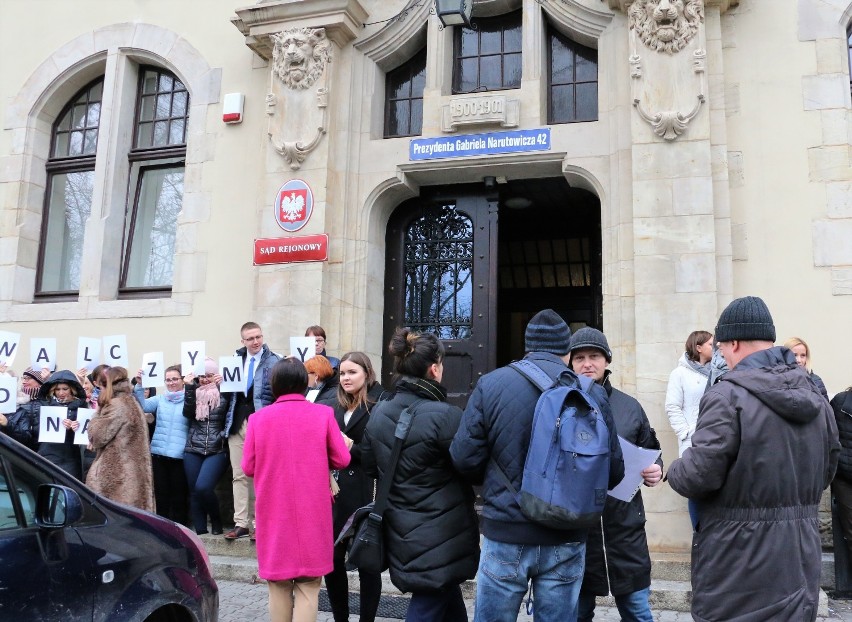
[{"x": 294, "y": 205}]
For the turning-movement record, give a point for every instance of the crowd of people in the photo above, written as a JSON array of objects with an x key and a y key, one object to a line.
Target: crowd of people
[{"x": 757, "y": 444}]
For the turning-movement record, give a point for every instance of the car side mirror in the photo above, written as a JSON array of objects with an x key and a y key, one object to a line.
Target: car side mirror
[{"x": 57, "y": 507}]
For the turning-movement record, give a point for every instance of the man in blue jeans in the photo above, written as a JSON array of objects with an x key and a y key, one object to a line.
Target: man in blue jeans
[
  {"x": 494, "y": 435},
  {"x": 617, "y": 558}
]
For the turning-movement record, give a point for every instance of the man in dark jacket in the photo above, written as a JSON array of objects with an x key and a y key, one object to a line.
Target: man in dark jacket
[
  {"x": 625, "y": 568},
  {"x": 764, "y": 450},
  {"x": 258, "y": 360},
  {"x": 494, "y": 436}
]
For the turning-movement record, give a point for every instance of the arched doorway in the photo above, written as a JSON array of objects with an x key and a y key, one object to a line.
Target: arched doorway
[{"x": 474, "y": 262}]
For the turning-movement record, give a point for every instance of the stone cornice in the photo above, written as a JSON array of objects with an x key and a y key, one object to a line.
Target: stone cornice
[
  {"x": 724, "y": 5},
  {"x": 342, "y": 20},
  {"x": 397, "y": 40},
  {"x": 586, "y": 24}
]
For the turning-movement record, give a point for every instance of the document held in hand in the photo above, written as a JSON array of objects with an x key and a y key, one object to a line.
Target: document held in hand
[{"x": 636, "y": 460}]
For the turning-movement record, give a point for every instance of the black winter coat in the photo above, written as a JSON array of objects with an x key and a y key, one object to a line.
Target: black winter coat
[
  {"x": 22, "y": 425},
  {"x": 430, "y": 523},
  {"x": 356, "y": 487},
  {"x": 496, "y": 428},
  {"x": 842, "y": 405},
  {"x": 764, "y": 450},
  {"x": 328, "y": 392},
  {"x": 206, "y": 437},
  {"x": 627, "y": 562},
  {"x": 67, "y": 455}
]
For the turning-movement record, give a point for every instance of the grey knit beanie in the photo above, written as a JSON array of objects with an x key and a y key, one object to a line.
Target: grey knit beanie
[
  {"x": 588, "y": 337},
  {"x": 547, "y": 332},
  {"x": 745, "y": 319}
]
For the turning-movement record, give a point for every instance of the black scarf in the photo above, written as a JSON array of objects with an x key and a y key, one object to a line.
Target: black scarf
[{"x": 423, "y": 387}]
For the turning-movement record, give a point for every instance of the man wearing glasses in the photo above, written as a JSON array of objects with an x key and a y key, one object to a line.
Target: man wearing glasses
[
  {"x": 258, "y": 359},
  {"x": 318, "y": 333}
]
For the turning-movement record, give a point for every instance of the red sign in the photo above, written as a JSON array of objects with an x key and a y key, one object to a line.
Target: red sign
[
  {"x": 291, "y": 250},
  {"x": 291, "y": 205}
]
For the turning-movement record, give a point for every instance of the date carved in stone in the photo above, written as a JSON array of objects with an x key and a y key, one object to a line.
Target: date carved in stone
[
  {"x": 666, "y": 25},
  {"x": 299, "y": 56}
]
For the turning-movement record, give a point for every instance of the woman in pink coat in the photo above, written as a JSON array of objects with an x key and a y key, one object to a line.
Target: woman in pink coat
[{"x": 290, "y": 447}]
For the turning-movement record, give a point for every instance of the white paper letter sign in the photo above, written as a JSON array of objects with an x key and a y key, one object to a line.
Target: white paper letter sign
[
  {"x": 231, "y": 368},
  {"x": 50, "y": 428},
  {"x": 8, "y": 393},
  {"x": 81, "y": 434},
  {"x": 303, "y": 348},
  {"x": 115, "y": 351},
  {"x": 192, "y": 358},
  {"x": 88, "y": 353},
  {"x": 153, "y": 370},
  {"x": 43, "y": 353},
  {"x": 8, "y": 347}
]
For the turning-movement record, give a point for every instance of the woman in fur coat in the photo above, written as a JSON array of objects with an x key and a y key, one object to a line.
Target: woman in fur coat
[{"x": 119, "y": 434}]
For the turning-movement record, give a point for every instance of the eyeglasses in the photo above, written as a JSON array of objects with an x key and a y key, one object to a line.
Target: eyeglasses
[
  {"x": 320, "y": 340},
  {"x": 257, "y": 338},
  {"x": 172, "y": 380}
]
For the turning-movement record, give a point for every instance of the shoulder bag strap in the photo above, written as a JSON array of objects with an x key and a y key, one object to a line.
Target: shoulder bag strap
[
  {"x": 535, "y": 374},
  {"x": 403, "y": 427}
]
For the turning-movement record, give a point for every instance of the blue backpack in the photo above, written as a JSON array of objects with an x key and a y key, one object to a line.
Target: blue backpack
[{"x": 566, "y": 473}]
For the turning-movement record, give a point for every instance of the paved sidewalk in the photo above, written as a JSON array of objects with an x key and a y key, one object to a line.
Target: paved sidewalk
[{"x": 245, "y": 602}]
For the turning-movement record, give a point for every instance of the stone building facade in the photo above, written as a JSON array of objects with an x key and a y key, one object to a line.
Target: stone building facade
[{"x": 634, "y": 164}]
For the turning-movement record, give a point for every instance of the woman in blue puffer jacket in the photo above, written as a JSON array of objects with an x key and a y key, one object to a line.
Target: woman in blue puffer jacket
[{"x": 171, "y": 429}]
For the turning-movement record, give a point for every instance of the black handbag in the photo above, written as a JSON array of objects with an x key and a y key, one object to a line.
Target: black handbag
[{"x": 364, "y": 530}]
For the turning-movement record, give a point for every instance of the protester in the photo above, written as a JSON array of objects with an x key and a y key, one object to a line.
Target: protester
[
  {"x": 323, "y": 381},
  {"x": 288, "y": 449},
  {"x": 764, "y": 450},
  {"x": 258, "y": 359},
  {"x": 121, "y": 470},
  {"x": 357, "y": 394},
  {"x": 687, "y": 383},
  {"x": 63, "y": 389},
  {"x": 841, "y": 487},
  {"x": 205, "y": 456},
  {"x": 318, "y": 333},
  {"x": 22, "y": 425},
  {"x": 430, "y": 525},
  {"x": 494, "y": 435},
  {"x": 617, "y": 557},
  {"x": 798, "y": 347},
  {"x": 171, "y": 429}
]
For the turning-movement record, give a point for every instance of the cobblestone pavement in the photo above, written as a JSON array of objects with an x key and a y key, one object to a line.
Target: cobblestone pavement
[{"x": 244, "y": 602}]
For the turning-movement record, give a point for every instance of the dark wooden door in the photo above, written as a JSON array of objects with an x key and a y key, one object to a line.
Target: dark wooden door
[{"x": 441, "y": 276}]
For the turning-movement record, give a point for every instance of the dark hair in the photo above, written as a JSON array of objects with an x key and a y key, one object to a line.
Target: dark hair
[
  {"x": 288, "y": 376},
  {"x": 413, "y": 353},
  {"x": 115, "y": 383},
  {"x": 696, "y": 339},
  {"x": 351, "y": 402},
  {"x": 320, "y": 366},
  {"x": 316, "y": 331},
  {"x": 173, "y": 368},
  {"x": 98, "y": 375},
  {"x": 248, "y": 326}
]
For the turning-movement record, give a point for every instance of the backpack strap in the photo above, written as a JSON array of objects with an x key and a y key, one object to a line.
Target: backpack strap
[
  {"x": 535, "y": 374},
  {"x": 403, "y": 427}
]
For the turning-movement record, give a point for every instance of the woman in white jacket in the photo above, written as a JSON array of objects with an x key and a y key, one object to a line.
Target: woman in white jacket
[{"x": 687, "y": 384}]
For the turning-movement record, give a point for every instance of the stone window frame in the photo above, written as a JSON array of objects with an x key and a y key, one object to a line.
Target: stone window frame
[
  {"x": 513, "y": 20},
  {"x": 115, "y": 51}
]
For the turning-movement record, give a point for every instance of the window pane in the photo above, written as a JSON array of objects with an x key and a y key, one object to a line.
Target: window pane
[
  {"x": 149, "y": 84},
  {"x": 490, "y": 42},
  {"x": 93, "y": 116},
  {"x": 416, "y": 117},
  {"x": 469, "y": 39},
  {"x": 164, "y": 100},
  {"x": 90, "y": 142},
  {"x": 161, "y": 133},
  {"x": 78, "y": 116},
  {"x": 149, "y": 262},
  {"x": 61, "y": 148},
  {"x": 145, "y": 137},
  {"x": 587, "y": 101},
  {"x": 512, "y": 71},
  {"x": 418, "y": 81},
  {"x": 561, "y": 63},
  {"x": 512, "y": 41},
  {"x": 166, "y": 82},
  {"x": 76, "y": 146},
  {"x": 68, "y": 209},
  {"x": 96, "y": 92},
  {"x": 164, "y": 106},
  {"x": 468, "y": 75},
  {"x": 176, "y": 132},
  {"x": 587, "y": 65},
  {"x": 65, "y": 122},
  {"x": 179, "y": 103},
  {"x": 562, "y": 104},
  {"x": 147, "y": 112},
  {"x": 491, "y": 69}
]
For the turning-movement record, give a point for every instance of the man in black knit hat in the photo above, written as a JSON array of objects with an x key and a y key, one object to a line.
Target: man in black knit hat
[
  {"x": 764, "y": 449},
  {"x": 494, "y": 436}
]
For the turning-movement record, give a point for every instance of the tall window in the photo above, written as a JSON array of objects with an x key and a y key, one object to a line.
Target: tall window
[
  {"x": 573, "y": 83},
  {"x": 438, "y": 269},
  {"x": 157, "y": 165},
  {"x": 488, "y": 58},
  {"x": 404, "y": 97},
  {"x": 71, "y": 173},
  {"x": 849, "y": 45}
]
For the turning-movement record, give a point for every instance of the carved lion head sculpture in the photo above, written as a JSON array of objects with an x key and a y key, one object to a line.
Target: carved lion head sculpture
[
  {"x": 666, "y": 25},
  {"x": 299, "y": 56}
]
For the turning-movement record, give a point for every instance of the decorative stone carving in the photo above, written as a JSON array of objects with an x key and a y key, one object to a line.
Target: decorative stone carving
[
  {"x": 295, "y": 151},
  {"x": 487, "y": 109},
  {"x": 299, "y": 56},
  {"x": 666, "y": 25}
]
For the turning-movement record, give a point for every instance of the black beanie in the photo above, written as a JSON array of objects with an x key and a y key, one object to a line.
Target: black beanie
[
  {"x": 588, "y": 337},
  {"x": 547, "y": 332},
  {"x": 745, "y": 319}
]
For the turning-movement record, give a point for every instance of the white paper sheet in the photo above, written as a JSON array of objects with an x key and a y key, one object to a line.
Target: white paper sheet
[{"x": 636, "y": 460}]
